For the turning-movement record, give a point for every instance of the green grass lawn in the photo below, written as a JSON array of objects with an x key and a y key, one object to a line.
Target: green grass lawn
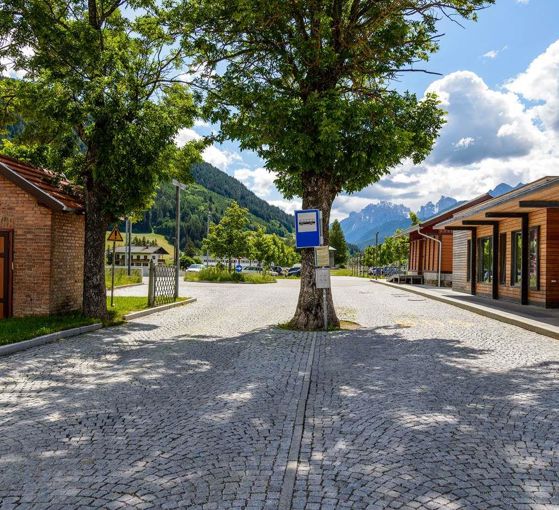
[
  {"x": 18, "y": 329},
  {"x": 341, "y": 272},
  {"x": 122, "y": 278}
]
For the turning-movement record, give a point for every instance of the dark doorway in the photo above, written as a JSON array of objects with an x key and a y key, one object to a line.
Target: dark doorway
[{"x": 5, "y": 274}]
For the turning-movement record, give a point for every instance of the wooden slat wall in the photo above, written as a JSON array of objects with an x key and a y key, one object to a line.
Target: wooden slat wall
[
  {"x": 447, "y": 253},
  {"x": 550, "y": 274},
  {"x": 460, "y": 261}
]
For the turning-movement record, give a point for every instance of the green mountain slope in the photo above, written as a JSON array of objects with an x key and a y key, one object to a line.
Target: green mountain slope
[
  {"x": 219, "y": 182},
  {"x": 213, "y": 190}
]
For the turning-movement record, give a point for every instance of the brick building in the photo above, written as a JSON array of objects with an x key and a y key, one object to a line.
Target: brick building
[{"x": 41, "y": 242}]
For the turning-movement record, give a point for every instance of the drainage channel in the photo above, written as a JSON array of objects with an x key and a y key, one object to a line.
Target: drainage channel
[{"x": 288, "y": 487}]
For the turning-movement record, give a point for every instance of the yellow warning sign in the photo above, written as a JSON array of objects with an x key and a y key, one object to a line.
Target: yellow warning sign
[{"x": 116, "y": 236}]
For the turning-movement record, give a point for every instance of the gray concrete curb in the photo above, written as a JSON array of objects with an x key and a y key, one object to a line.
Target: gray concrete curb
[
  {"x": 45, "y": 339},
  {"x": 162, "y": 308},
  {"x": 127, "y": 286},
  {"x": 502, "y": 316}
]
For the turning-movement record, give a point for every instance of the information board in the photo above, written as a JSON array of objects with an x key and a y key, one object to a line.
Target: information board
[
  {"x": 322, "y": 277},
  {"x": 308, "y": 228}
]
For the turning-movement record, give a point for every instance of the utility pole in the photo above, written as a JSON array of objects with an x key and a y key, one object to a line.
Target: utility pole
[
  {"x": 179, "y": 186},
  {"x": 207, "y": 234},
  {"x": 129, "y": 245},
  {"x": 377, "y": 269}
]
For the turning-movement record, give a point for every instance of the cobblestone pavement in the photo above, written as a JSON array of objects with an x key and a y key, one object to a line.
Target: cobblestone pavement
[{"x": 426, "y": 406}]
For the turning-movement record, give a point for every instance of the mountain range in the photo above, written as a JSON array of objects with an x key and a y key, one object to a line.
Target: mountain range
[{"x": 384, "y": 217}]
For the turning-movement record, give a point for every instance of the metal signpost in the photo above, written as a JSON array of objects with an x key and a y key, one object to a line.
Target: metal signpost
[
  {"x": 115, "y": 237},
  {"x": 322, "y": 279}
]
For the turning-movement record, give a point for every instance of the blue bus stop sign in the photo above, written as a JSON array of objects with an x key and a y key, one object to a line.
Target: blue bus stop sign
[
  {"x": 308, "y": 228},
  {"x": 238, "y": 268}
]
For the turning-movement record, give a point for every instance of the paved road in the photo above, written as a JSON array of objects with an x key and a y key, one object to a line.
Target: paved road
[{"x": 426, "y": 406}]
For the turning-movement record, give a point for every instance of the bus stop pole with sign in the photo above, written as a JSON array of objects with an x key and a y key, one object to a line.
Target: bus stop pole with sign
[
  {"x": 114, "y": 237},
  {"x": 113, "y": 276}
]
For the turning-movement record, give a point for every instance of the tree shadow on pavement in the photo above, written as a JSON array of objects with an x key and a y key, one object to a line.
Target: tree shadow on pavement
[
  {"x": 395, "y": 420},
  {"x": 116, "y": 417}
]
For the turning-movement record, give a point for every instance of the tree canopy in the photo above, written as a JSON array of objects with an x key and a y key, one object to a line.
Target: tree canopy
[
  {"x": 96, "y": 98},
  {"x": 309, "y": 86}
]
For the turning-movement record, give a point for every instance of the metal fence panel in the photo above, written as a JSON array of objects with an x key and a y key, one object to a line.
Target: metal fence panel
[{"x": 162, "y": 285}]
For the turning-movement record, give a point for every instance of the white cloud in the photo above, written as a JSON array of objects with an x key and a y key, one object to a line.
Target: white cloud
[
  {"x": 201, "y": 123},
  {"x": 186, "y": 135},
  {"x": 220, "y": 158},
  {"x": 481, "y": 123},
  {"x": 217, "y": 157},
  {"x": 259, "y": 180},
  {"x": 493, "y": 54},
  {"x": 464, "y": 142},
  {"x": 289, "y": 206},
  {"x": 540, "y": 83}
]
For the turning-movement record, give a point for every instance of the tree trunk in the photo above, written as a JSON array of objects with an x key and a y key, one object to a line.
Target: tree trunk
[
  {"x": 319, "y": 193},
  {"x": 94, "y": 291}
]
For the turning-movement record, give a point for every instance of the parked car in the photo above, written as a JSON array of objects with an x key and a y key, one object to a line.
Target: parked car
[
  {"x": 195, "y": 268},
  {"x": 277, "y": 269},
  {"x": 294, "y": 270}
]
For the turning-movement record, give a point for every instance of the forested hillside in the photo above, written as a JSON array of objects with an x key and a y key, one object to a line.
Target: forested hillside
[
  {"x": 212, "y": 191},
  {"x": 219, "y": 182}
]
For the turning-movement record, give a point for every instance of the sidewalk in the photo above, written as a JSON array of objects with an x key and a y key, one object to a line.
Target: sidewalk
[{"x": 544, "y": 321}]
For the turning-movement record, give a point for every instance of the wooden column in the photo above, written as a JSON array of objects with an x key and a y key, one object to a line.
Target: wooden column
[
  {"x": 525, "y": 282},
  {"x": 473, "y": 262},
  {"x": 495, "y": 280}
]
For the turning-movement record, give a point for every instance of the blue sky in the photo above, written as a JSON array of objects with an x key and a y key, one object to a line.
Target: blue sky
[{"x": 500, "y": 86}]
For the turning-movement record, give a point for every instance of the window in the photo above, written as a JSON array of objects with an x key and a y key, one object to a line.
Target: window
[
  {"x": 485, "y": 260},
  {"x": 516, "y": 259},
  {"x": 503, "y": 259},
  {"x": 534, "y": 258},
  {"x": 469, "y": 261}
]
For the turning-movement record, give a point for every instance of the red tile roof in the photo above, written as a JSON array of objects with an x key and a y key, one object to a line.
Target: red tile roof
[{"x": 50, "y": 189}]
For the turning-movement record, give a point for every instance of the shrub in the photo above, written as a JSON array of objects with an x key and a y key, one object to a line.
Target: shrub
[{"x": 215, "y": 274}]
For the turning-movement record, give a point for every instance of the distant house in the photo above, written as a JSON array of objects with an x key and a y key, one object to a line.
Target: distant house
[
  {"x": 41, "y": 242},
  {"x": 507, "y": 247},
  {"x": 426, "y": 242},
  {"x": 141, "y": 255}
]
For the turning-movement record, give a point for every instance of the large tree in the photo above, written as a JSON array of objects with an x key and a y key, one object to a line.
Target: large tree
[
  {"x": 229, "y": 239},
  {"x": 94, "y": 94},
  {"x": 309, "y": 85}
]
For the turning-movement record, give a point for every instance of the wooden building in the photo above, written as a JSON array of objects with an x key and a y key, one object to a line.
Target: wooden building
[
  {"x": 508, "y": 247},
  {"x": 42, "y": 235},
  {"x": 427, "y": 244}
]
